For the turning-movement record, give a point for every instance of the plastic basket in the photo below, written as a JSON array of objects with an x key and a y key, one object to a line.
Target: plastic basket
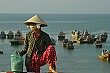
[{"x": 16, "y": 63}]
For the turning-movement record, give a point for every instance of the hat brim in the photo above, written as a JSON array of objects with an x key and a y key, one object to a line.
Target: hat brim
[{"x": 42, "y": 24}]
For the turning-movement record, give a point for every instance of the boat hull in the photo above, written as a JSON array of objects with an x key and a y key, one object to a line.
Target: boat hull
[
  {"x": 105, "y": 57},
  {"x": 61, "y": 37},
  {"x": 98, "y": 45},
  {"x": 17, "y": 42}
]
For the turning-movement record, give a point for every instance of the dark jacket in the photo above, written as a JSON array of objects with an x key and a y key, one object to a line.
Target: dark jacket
[{"x": 41, "y": 43}]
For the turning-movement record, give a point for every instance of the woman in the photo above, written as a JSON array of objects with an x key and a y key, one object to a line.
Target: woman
[{"x": 38, "y": 48}]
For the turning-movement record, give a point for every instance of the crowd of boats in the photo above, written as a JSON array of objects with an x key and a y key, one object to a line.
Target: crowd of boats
[
  {"x": 14, "y": 39},
  {"x": 86, "y": 37}
]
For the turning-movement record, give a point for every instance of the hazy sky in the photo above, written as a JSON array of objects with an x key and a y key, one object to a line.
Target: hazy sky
[{"x": 54, "y": 6}]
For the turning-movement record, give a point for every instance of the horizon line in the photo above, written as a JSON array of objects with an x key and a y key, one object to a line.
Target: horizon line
[{"x": 46, "y": 13}]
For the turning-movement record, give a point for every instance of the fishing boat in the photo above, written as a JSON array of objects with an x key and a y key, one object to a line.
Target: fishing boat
[
  {"x": 10, "y": 35},
  {"x": 90, "y": 39},
  {"x": 81, "y": 40},
  {"x": 53, "y": 41},
  {"x": 98, "y": 43},
  {"x": 103, "y": 36},
  {"x": 17, "y": 41},
  {"x": 18, "y": 33},
  {"x": 70, "y": 45},
  {"x": 104, "y": 55},
  {"x": 61, "y": 36},
  {"x": 65, "y": 41},
  {"x": 3, "y": 35},
  {"x": 75, "y": 34},
  {"x": 1, "y": 52}
]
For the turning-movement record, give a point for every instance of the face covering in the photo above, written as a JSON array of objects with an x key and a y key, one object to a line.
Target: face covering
[{"x": 34, "y": 27}]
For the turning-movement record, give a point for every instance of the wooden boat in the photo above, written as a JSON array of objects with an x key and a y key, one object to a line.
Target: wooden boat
[
  {"x": 53, "y": 41},
  {"x": 98, "y": 43},
  {"x": 104, "y": 55},
  {"x": 81, "y": 40},
  {"x": 70, "y": 45},
  {"x": 3, "y": 35},
  {"x": 17, "y": 41},
  {"x": 75, "y": 34},
  {"x": 18, "y": 33},
  {"x": 103, "y": 37},
  {"x": 105, "y": 34},
  {"x": 1, "y": 52},
  {"x": 61, "y": 36},
  {"x": 90, "y": 39},
  {"x": 10, "y": 35},
  {"x": 65, "y": 41}
]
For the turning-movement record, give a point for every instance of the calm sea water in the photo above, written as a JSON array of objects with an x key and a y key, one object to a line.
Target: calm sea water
[{"x": 84, "y": 57}]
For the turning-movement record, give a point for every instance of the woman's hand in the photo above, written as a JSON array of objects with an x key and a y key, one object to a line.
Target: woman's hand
[{"x": 16, "y": 52}]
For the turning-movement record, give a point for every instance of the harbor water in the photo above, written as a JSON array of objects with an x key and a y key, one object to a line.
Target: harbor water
[{"x": 82, "y": 59}]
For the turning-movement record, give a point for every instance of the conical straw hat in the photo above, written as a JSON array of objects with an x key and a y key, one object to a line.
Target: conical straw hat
[{"x": 37, "y": 20}]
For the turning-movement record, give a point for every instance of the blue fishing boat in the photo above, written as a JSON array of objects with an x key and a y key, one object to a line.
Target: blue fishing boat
[
  {"x": 3, "y": 35},
  {"x": 18, "y": 33},
  {"x": 10, "y": 35},
  {"x": 17, "y": 40}
]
